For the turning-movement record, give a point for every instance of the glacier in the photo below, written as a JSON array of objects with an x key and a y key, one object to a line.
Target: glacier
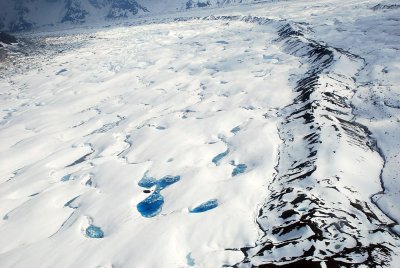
[{"x": 199, "y": 133}]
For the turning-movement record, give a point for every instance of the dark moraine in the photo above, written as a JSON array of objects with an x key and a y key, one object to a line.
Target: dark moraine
[
  {"x": 308, "y": 220},
  {"x": 305, "y": 264},
  {"x": 311, "y": 226}
]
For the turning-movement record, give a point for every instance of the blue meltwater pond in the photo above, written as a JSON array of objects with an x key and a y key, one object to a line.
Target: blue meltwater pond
[
  {"x": 152, "y": 205},
  {"x": 94, "y": 232},
  {"x": 241, "y": 168},
  {"x": 219, "y": 157},
  {"x": 210, "y": 204}
]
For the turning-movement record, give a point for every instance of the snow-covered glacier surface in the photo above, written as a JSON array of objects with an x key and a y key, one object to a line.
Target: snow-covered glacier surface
[{"x": 252, "y": 136}]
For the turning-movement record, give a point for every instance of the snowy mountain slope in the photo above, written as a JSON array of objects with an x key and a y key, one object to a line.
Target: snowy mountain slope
[
  {"x": 25, "y": 15},
  {"x": 205, "y": 139},
  {"x": 21, "y": 15}
]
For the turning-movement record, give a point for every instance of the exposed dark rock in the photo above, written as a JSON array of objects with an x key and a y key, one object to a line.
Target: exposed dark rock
[
  {"x": 124, "y": 8},
  {"x": 7, "y": 38},
  {"x": 198, "y": 3},
  {"x": 75, "y": 13},
  {"x": 305, "y": 264},
  {"x": 383, "y": 6}
]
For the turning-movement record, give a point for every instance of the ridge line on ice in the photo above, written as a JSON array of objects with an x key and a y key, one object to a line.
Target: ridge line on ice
[{"x": 322, "y": 60}]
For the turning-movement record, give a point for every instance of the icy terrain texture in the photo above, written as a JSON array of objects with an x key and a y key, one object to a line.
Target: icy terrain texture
[{"x": 261, "y": 135}]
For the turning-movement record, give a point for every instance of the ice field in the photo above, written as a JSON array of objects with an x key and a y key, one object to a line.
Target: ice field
[{"x": 257, "y": 135}]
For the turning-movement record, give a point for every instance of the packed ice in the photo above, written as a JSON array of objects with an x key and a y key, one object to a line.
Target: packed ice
[{"x": 200, "y": 134}]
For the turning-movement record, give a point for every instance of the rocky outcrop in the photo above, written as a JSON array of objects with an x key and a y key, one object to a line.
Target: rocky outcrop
[{"x": 7, "y": 39}]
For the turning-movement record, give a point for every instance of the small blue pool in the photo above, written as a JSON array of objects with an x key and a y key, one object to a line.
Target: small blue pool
[
  {"x": 210, "y": 204},
  {"x": 94, "y": 232}
]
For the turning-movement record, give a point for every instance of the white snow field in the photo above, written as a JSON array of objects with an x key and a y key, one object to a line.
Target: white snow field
[{"x": 258, "y": 135}]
